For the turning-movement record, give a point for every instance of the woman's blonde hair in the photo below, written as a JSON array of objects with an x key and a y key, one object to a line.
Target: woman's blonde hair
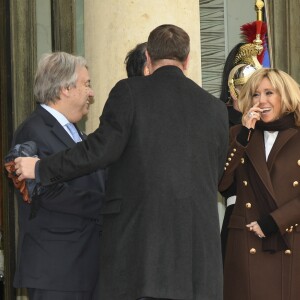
[{"x": 285, "y": 86}]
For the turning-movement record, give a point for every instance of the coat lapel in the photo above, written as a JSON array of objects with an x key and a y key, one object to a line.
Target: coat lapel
[
  {"x": 56, "y": 129},
  {"x": 282, "y": 138},
  {"x": 256, "y": 154},
  {"x": 62, "y": 135}
]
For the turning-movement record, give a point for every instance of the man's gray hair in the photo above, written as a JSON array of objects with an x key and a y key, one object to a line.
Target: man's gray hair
[{"x": 56, "y": 71}]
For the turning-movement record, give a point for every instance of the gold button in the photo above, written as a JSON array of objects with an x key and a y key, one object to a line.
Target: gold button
[
  {"x": 227, "y": 164},
  {"x": 231, "y": 154},
  {"x": 287, "y": 230},
  {"x": 234, "y": 150},
  {"x": 296, "y": 225},
  {"x": 298, "y": 162},
  {"x": 288, "y": 252},
  {"x": 229, "y": 158},
  {"x": 248, "y": 205},
  {"x": 252, "y": 251},
  {"x": 225, "y": 169},
  {"x": 295, "y": 183},
  {"x": 245, "y": 183},
  {"x": 242, "y": 160}
]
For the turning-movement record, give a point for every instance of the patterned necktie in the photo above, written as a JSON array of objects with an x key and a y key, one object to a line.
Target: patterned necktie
[{"x": 75, "y": 135}]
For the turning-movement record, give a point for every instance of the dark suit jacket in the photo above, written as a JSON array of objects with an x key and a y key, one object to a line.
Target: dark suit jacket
[
  {"x": 165, "y": 139},
  {"x": 58, "y": 249}
]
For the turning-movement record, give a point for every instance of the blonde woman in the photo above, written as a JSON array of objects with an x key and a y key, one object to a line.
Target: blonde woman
[{"x": 262, "y": 256}]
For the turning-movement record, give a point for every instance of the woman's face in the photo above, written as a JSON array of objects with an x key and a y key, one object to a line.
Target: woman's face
[{"x": 269, "y": 101}]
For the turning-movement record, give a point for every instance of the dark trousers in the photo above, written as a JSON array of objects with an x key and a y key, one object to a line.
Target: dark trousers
[{"x": 37, "y": 294}]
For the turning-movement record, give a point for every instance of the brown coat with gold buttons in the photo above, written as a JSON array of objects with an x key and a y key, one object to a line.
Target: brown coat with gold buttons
[{"x": 249, "y": 272}]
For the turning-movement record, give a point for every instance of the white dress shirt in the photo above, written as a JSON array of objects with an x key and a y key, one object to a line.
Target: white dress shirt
[{"x": 270, "y": 138}]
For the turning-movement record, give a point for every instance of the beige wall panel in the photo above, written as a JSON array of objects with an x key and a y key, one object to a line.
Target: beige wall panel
[{"x": 113, "y": 27}]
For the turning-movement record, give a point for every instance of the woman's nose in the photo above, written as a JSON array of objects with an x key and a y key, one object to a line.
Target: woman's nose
[{"x": 262, "y": 98}]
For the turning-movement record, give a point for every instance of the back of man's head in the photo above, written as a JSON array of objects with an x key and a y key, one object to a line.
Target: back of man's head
[
  {"x": 168, "y": 42},
  {"x": 136, "y": 60}
]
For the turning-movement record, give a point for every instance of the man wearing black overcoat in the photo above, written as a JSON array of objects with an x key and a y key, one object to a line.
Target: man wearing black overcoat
[{"x": 165, "y": 140}]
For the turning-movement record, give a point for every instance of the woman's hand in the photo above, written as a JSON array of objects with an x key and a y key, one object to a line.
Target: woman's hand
[
  {"x": 250, "y": 118},
  {"x": 255, "y": 228}
]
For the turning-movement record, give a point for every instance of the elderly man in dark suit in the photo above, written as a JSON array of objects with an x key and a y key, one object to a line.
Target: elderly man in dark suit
[
  {"x": 58, "y": 248},
  {"x": 165, "y": 140}
]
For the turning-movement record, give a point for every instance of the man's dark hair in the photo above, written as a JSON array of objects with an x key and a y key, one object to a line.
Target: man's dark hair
[
  {"x": 136, "y": 60},
  {"x": 168, "y": 42}
]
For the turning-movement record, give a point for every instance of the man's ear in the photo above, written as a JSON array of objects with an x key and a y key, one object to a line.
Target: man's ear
[
  {"x": 186, "y": 63},
  {"x": 65, "y": 91},
  {"x": 146, "y": 70},
  {"x": 147, "y": 57},
  {"x": 149, "y": 63}
]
